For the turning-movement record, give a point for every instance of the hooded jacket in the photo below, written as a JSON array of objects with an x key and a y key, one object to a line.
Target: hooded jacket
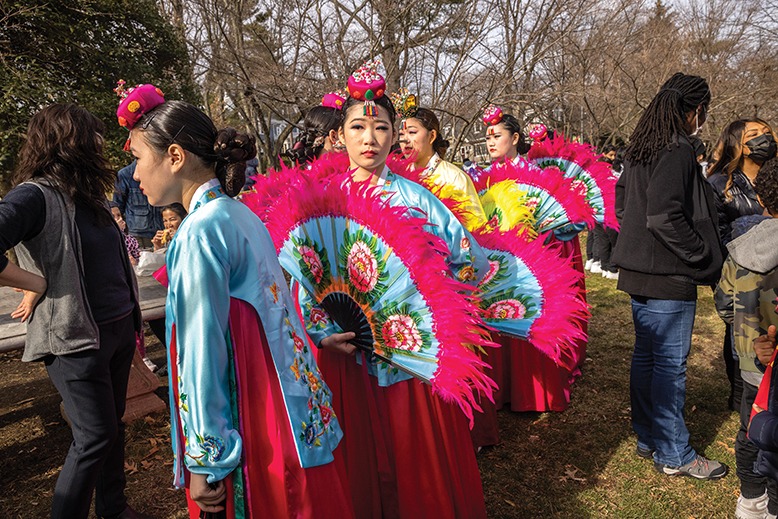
[{"x": 748, "y": 287}]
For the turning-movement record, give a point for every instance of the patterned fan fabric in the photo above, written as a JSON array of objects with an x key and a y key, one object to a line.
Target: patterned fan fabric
[
  {"x": 372, "y": 263},
  {"x": 580, "y": 162},
  {"x": 509, "y": 190},
  {"x": 529, "y": 290}
]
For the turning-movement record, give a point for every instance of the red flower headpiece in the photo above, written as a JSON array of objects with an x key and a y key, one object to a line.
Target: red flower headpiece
[
  {"x": 492, "y": 115},
  {"x": 367, "y": 85},
  {"x": 334, "y": 100},
  {"x": 135, "y": 102}
]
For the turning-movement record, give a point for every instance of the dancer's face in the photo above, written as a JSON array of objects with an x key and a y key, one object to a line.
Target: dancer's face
[
  {"x": 501, "y": 143},
  {"x": 368, "y": 140}
]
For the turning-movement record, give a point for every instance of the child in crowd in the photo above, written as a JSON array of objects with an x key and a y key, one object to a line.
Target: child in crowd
[
  {"x": 133, "y": 249},
  {"x": 745, "y": 300},
  {"x": 172, "y": 216}
]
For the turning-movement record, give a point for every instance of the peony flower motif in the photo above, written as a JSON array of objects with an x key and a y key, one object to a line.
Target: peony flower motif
[
  {"x": 299, "y": 344},
  {"x": 466, "y": 273},
  {"x": 400, "y": 332},
  {"x": 494, "y": 268},
  {"x": 310, "y": 433},
  {"x": 506, "y": 309},
  {"x": 212, "y": 447},
  {"x": 362, "y": 267},
  {"x": 317, "y": 315},
  {"x": 326, "y": 414},
  {"x": 312, "y": 260},
  {"x": 532, "y": 202},
  {"x": 580, "y": 187},
  {"x": 464, "y": 244}
]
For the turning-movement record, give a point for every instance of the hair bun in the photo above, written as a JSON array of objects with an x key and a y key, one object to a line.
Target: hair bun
[
  {"x": 233, "y": 147},
  {"x": 232, "y": 150}
]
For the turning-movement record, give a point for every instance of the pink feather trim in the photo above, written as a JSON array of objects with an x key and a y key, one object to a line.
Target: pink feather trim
[
  {"x": 588, "y": 159},
  {"x": 550, "y": 180},
  {"x": 329, "y": 191},
  {"x": 555, "y": 329}
]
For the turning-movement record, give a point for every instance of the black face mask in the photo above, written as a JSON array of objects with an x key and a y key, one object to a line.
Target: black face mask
[{"x": 762, "y": 148}]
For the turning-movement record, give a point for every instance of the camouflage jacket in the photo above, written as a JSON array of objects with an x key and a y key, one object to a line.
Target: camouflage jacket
[{"x": 748, "y": 287}]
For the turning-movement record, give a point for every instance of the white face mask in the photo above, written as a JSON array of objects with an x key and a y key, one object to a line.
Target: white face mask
[{"x": 697, "y": 126}]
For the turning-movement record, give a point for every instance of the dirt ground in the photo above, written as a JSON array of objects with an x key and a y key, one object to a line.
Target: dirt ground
[{"x": 579, "y": 463}]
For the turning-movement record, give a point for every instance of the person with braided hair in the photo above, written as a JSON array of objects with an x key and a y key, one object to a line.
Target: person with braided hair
[
  {"x": 668, "y": 245},
  {"x": 253, "y": 432}
]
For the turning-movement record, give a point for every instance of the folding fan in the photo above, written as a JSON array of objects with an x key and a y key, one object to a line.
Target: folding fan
[
  {"x": 529, "y": 291},
  {"x": 509, "y": 190},
  {"x": 374, "y": 270},
  {"x": 579, "y": 162}
]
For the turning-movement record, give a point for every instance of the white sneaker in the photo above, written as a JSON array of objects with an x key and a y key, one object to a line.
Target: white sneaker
[
  {"x": 153, "y": 367},
  {"x": 755, "y": 508},
  {"x": 610, "y": 275},
  {"x": 588, "y": 264},
  {"x": 596, "y": 268}
]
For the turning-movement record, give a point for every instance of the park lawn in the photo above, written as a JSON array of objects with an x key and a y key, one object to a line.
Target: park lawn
[
  {"x": 582, "y": 462},
  {"x": 575, "y": 464}
]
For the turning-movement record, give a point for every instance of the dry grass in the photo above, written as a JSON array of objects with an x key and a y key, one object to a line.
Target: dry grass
[{"x": 575, "y": 464}]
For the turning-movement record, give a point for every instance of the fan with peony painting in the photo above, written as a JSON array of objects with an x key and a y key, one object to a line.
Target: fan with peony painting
[
  {"x": 372, "y": 269},
  {"x": 522, "y": 198},
  {"x": 580, "y": 163},
  {"x": 528, "y": 292}
]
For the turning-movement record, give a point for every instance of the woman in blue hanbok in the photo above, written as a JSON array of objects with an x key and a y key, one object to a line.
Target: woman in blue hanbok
[
  {"x": 252, "y": 422},
  {"x": 408, "y": 453}
]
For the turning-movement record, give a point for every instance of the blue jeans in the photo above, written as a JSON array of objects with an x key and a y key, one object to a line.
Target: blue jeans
[{"x": 663, "y": 338}]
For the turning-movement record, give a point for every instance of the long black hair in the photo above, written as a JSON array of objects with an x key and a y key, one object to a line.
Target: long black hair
[
  {"x": 665, "y": 117},
  {"x": 64, "y": 144},
  {"x": 514, "y": 126},
  {"x": 177, "y": 122}
]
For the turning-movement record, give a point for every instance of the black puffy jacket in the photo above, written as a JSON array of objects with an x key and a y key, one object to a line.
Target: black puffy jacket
[{"x": 742, "y": 201}]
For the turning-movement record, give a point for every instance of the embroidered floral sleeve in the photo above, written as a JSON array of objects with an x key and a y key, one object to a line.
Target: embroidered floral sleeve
[
  {"x": 466, "y": 259},
  {"x": 200, "y": 300},
  {"x": 317, "y": 322}
]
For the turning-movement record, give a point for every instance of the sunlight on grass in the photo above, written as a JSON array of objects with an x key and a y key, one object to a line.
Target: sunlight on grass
[{"x": 582, "y": 463}]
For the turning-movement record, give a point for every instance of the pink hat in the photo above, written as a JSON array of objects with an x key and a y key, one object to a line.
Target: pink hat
[
  {"x": 366, "y": 84},
  {"x": 492, "y": 115},
  {"x": 538, "y": 132},
  {"x": 334, "y": 100},
  {"x": 135, "y": 102}
]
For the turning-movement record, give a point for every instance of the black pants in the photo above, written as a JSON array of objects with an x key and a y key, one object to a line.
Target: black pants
[
  {"x": 751, "y": 484},
  {"x": 591, "y": 245},
  {"x": 93, "y": 387}
]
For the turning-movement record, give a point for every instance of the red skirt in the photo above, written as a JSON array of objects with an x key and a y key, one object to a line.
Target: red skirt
[
  {"x": 275, "y": 483},
  {"x": 528, "y": 380},
  {"x": 408, "y": 454}
]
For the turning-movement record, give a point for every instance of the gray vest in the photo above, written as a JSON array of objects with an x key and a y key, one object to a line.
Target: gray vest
[{"x": 62, "y": 322}]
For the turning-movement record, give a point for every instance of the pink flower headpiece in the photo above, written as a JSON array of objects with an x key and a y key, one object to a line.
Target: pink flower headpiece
[
  {"x": 492, "y": 115},
  {"x": 135, "y": 102},
  {"x": 367, "y": 85},
  {"x": 334, "y": 100},
  {"x": 538, "y": 132}
]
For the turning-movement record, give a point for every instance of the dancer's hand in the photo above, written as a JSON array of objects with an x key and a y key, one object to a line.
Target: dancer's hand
[
  {"x": 338, "y": 342},
  {"x": 209, "y": 497},
  {"x": 764, "y": 345}
]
